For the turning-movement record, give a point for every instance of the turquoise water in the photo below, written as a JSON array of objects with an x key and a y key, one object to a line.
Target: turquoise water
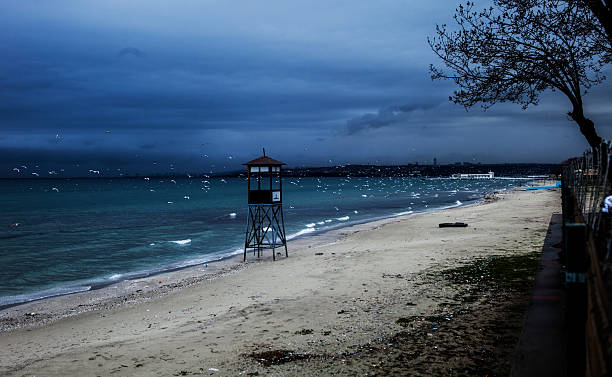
[{"x": 62, "y": 236}]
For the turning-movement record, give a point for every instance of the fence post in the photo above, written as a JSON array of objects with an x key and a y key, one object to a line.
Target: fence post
[{"x": 576, "y": 266}]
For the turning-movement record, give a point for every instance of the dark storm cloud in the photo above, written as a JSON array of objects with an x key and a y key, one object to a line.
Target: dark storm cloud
[
  {"x": 130, "y": 51},
  {"x": 384, "y": 117},
  {"x": 129, "y": 84}
]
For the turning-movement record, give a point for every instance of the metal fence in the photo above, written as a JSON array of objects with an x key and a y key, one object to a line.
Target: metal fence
[{"x": 587, "y": 257}]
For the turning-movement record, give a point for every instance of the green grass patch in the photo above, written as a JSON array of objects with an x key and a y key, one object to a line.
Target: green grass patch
[{"x": 503, "y": 271}]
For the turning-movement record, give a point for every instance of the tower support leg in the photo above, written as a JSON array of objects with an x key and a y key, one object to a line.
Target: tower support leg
[{"x": 265, "y": 229}]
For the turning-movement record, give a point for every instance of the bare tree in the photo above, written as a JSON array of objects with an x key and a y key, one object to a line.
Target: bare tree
[
  {"x": 601, "y": 24},
  {"x": 602, "y": 9},
  {"x": 514, "y": 51}
]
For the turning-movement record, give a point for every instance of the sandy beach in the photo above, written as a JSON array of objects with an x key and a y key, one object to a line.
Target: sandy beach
[{"x": 334, "y": 307}]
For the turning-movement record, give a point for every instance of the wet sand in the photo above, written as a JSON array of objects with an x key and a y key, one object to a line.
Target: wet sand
[{"x": 339, "y": 296}]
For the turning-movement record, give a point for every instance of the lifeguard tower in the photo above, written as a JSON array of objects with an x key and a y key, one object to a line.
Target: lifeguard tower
[{"x": 265, "y": 223}]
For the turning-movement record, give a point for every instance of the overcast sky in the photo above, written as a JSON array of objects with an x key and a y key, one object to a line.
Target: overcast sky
[{"x": 151, "y": 86}]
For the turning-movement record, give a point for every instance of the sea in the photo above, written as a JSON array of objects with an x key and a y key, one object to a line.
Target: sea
[{"x": 61, "y": 236}]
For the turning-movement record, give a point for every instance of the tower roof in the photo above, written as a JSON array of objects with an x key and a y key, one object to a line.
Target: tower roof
[{"x": 264, "y": 161}]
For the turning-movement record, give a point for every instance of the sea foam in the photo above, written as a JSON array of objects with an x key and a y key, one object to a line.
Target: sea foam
[
  {"x": 300, "y": 233},
  {"x": 403, "y": 213},
  {"x": 59, "y": 291},
  {"x": 182, "y": 242}
]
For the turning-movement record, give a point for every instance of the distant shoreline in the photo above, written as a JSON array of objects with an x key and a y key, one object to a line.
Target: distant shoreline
[{"x": 513, "y": 170}]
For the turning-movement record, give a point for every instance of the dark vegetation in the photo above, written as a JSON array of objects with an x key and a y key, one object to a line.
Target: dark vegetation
[{"x": 475, "y": 334}]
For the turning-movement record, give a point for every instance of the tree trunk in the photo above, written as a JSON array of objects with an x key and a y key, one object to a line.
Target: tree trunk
[{"x": 587, "y": 128}]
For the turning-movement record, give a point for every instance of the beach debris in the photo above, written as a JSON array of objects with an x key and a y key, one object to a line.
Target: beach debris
[
  {"x": 318, "y": 253},
  {"x": 396, "y": 276},
  {"x": 304, "y": 332},
  {"x": 277, "y": 357},
  {"x": 453, "y": 225},
  {"x": 213, "y": 369}
]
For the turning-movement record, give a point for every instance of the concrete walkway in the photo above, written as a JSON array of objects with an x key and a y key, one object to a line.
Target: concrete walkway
[{"x": 542, "y": 348}]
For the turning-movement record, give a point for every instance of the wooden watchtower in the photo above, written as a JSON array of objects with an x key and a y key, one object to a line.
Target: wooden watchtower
[{"x": 265, "y": 223}]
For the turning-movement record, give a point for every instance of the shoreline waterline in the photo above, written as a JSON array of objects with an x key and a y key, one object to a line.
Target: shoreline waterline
[
  {"x": 336, "y": 293},
  {"x": 215, "y": 257}
]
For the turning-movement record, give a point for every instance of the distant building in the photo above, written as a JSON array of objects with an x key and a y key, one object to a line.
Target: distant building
[
  {"x": 435, "y": 161},
  {"x": 488, "y": 175}
]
